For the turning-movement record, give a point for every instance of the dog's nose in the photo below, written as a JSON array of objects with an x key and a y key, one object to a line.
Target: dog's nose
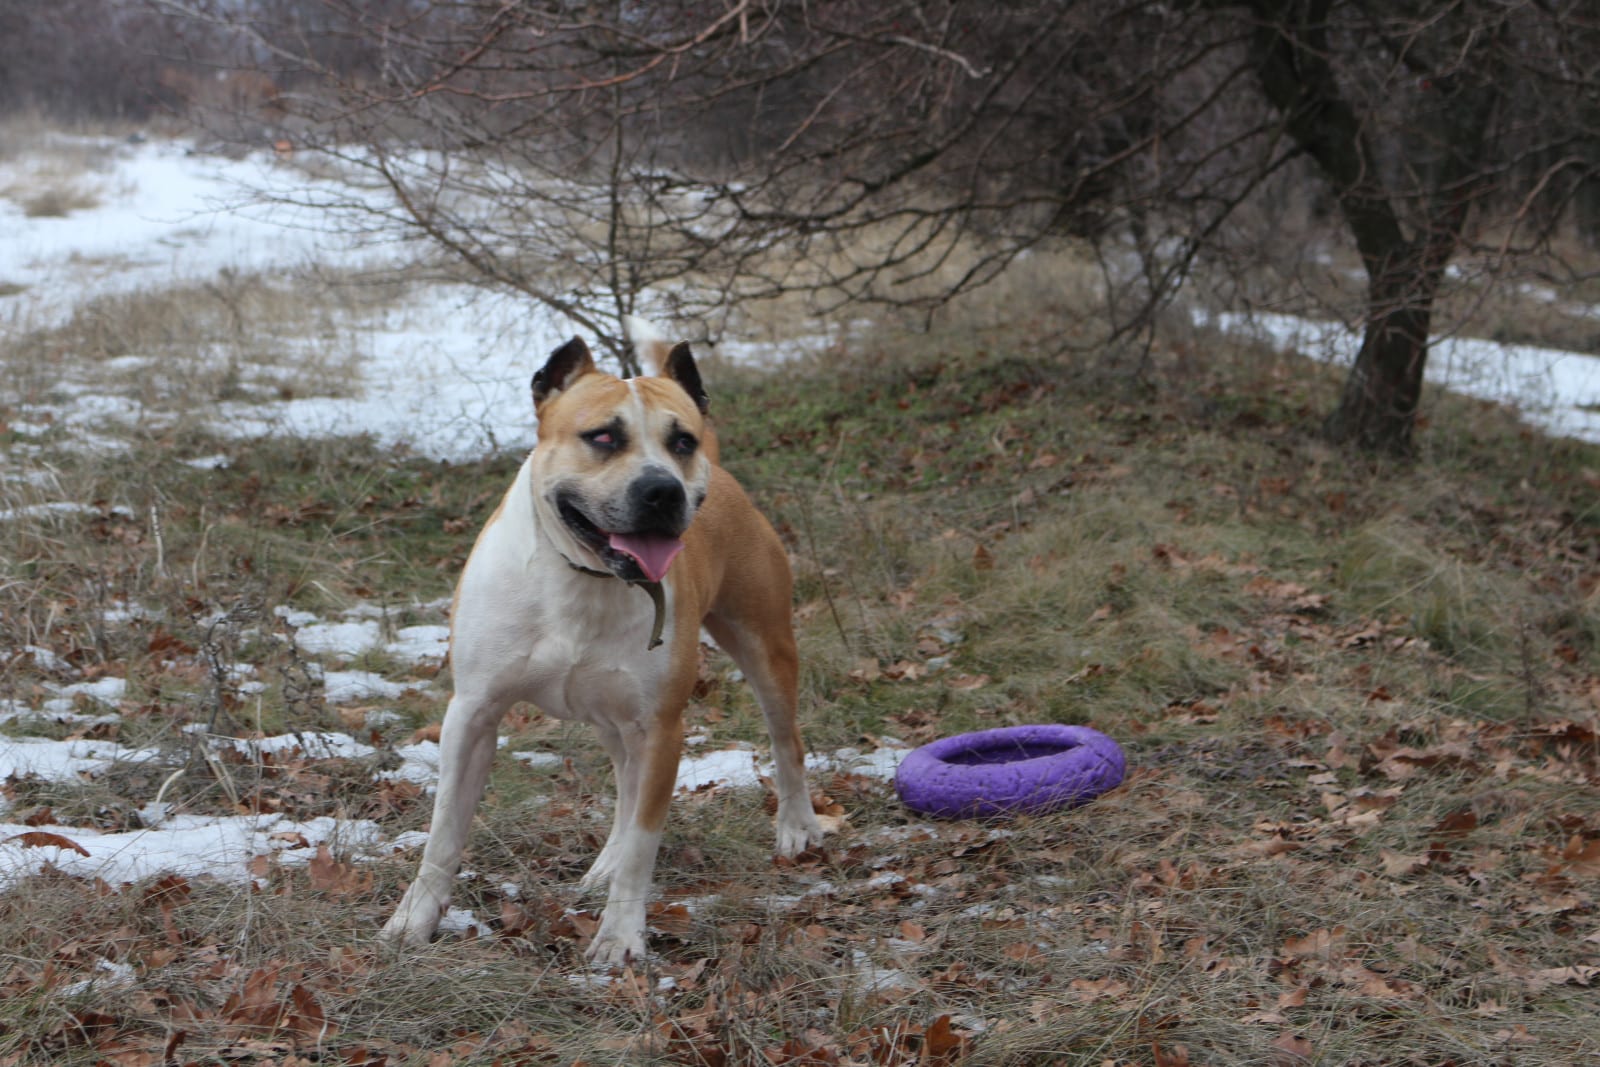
[{"x": 658, "y": 495}]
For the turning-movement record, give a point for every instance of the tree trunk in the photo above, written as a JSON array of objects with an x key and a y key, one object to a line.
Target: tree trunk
[
  {"x": 1290, "y": 49},
  {"x": 1378, "y": 405}
]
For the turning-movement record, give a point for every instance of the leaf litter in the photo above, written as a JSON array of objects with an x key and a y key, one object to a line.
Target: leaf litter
[{"x": 1323, "y": 854}]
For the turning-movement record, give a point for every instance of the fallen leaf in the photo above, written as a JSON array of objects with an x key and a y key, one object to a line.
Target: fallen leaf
[
  {"x": 1516, "y": 1035},
  {"x": 46, "y": 839},
  {"x": 1319, "y": 944},
  {"x": 1582, "y": 857},
  {"x": 1578, "y": 974},
  {"x": 1027, "y": 952},
  {"x": 1098, "y": 989},
  {"x": 1176, "y": 1056},
  {"x": 672, "y": 920},
  {"x": 1458, "y": 822},
  {"x": 339, "y": 877},
  {"x": 1396, "y": 865},
  {"x": 941, "y": 1044},
  {"x": 1290, "y": 1050},
  {"x": 1295, "y": 998},
  {"x": 866, "y": 670}
]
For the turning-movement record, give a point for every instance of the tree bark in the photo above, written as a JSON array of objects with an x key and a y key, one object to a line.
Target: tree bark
[
  {"x": 1378, "y": 404},
  {"x": 1289, "y": 49}
]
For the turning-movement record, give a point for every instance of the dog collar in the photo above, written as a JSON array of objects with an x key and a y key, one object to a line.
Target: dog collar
[{"x": 657, "y": 597}]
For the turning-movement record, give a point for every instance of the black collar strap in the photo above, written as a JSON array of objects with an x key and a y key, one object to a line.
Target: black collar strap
[{"x": 657, "y": 597}]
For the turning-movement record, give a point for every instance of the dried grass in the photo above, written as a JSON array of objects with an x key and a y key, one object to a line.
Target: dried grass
[{"x": 1357, "y": 701}]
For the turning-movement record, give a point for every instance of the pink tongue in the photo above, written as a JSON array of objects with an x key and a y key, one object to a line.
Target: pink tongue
[{"x": 653, "y": 552}]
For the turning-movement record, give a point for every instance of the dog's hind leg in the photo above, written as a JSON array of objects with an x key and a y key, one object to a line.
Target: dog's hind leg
[
  {"x": 771, "y": 663},
  {"x": 466, "y": 751}
]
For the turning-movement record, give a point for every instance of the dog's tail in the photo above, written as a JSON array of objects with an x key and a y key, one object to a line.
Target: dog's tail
[
  {"x": 649, "y": 343},
  {"x": 653, "y": 348}
]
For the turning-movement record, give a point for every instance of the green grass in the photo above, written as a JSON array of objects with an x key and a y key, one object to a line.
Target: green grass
[{"x": 1357, "y": 700}]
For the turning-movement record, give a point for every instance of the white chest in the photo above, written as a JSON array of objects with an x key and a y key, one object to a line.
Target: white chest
[{"x": 530, "y": 627}]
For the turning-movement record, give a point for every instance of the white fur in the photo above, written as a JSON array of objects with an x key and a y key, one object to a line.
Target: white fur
[{"x": 528, "y": 627}]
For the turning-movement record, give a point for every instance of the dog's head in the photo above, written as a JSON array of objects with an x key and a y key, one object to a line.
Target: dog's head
[{"x": 622, "y": 465}]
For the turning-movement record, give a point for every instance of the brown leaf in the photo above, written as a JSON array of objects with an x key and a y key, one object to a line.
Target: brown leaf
[
  {"x": 982, "y": 559},
  {"x": 171, "y": 889},
  {"x": 904, "y": 670},
  {"x": 1319, "y": 944},
  {"x": 1582, "y": 857},
  {"x": 1578, "y": 974},
  {"x": 1176, "y": 1056},
  {"x": 1025, "y": 952},
  {"x": 1098, "y": 989},
  {"x": 1290, "y": 1050},
  {"x": 795, "y": 1052},
  {"x": 1516, "y": 1035},
  {"x": 866, "y": 670},
  {"x": 46, "y": 839},
  {"x": 256, "y": 1003},
  {"x": 1396, "y": 865},
  {"x": 942, "y": 1045},
  {"x": 307, "y": 1017},
  {"x": 1276, "y": 845},
  {"x": 672, "y": 920},
  {"x": 1295, "y": 998},
  {"x": 1458, "y": 822},
  {"x": 968, "y": 681},
  {"x": 339, "y": 877}
]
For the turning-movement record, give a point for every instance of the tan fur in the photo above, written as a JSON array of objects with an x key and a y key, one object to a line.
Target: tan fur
[{"x": 530, "y": 624}]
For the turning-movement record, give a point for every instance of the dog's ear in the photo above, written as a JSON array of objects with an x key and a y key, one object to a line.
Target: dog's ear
[
  {"x": 681, "y": 369},
  {"x": 566, "y": 365}
]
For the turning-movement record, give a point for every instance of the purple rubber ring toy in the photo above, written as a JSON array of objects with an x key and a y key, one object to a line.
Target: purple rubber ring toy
[{"x": 1009, "y": 771}]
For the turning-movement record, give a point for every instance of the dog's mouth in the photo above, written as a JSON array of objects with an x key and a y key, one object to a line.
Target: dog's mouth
[{"x": 633, "y": 556}]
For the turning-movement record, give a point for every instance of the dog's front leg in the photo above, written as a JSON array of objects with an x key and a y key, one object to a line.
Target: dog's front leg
[
  {"x": 627, "y": 779},
  {"x": 466, "y": 751},
  {"x": 652, "y": 765}
]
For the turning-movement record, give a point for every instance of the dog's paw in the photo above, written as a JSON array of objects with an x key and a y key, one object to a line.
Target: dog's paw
[
  {"x": 615, "y": 948},
  {"x": 414, "y": 920},
  {"x": 600, "y": 871},
  {"x": 399, "y": 934},
  {"x": 795, "y": 835}
]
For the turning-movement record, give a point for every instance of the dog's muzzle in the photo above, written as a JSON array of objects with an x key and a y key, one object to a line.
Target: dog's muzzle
[{"x": 640, "y": 543}]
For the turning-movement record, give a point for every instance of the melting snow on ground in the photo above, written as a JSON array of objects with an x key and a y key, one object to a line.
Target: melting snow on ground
[
  {"x": 444, "y": 375},
  {"x": 1555, "y": 390},
  {"x": 173, "y": 841}
]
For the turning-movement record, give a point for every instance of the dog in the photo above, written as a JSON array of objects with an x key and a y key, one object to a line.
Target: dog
[{"x": 621, "y": 493}]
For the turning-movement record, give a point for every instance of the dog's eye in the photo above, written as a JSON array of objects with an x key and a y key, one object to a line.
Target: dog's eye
[
  {"x": 683, "y": 444},
  {"x": 602, "y": 439}
]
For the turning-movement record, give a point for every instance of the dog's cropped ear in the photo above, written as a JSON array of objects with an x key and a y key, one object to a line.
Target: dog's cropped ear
[
  {"x": 681, "y": 369},
  {"x": 566, "y": 365}
]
